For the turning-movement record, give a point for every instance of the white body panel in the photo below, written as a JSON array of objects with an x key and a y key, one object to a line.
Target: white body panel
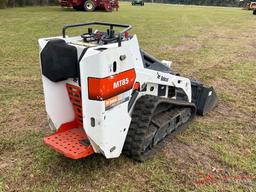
[
  {"x": 58, "y": 105},
  {"x": 151, "y": 77},
  {"x": 111, "y": 127}
]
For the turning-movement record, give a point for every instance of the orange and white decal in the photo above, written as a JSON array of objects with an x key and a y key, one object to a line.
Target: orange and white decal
[
  {"x": 111, "y": 101},
  {"x": 105, "y": 88}
]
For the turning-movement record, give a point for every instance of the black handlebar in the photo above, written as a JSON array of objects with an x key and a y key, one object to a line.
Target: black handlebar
[{"x": 111, "y": 25}]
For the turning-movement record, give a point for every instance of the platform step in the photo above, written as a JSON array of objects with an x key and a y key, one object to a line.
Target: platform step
[{"x": 72, "y": 143}]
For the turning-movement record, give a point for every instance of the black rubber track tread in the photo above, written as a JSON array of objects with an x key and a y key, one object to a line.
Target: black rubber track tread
[{"x": 139, "y": 131}]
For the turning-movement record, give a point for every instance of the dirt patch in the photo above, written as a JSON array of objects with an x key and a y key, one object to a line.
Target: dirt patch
[
  {"x": 252, "y": 44},
  {"x": 188, "y": 160},
  {"x": 233, "y": 102},
  {"x": 198, "y": 166},
  {"x": 186, "y": 47},
  {"x": 225, "y": 111},
  {"x": 186, "y": 153},
  {"x": 7, "y": 163}
]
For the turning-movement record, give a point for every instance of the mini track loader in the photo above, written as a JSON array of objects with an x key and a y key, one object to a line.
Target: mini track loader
[{"x": 103, "y": 94}]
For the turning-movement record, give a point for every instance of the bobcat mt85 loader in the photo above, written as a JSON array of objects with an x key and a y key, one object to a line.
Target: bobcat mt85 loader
[{"x": 103, "y": 94}]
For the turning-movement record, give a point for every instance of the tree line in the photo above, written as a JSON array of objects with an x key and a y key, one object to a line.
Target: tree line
[
  {"x": 232, "y": 3},
  {"x": 209, "y": 2},
  {"x": 18, "y": 3},
  {"x": 21, "y": 3}
]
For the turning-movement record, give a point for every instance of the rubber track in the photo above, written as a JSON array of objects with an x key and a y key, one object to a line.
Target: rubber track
[{"x": 140, "y": 131}]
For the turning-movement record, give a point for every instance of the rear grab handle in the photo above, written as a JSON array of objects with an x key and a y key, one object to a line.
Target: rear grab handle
[{"x": 111, "y": 25}]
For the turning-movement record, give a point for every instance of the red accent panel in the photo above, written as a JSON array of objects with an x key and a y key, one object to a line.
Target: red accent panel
[
  {"x": 126, "y": 35},
  {"x": 69, "y": 135},
  {"x": 67, "y": 126},
  {"x": 68, "y": 143},
  {"x": 74, "y": 93},
  {"x": 136, "y": 86},
  {"x": 104, "y": 88}
]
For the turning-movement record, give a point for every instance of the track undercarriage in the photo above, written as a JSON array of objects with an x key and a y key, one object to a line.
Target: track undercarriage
[{"x": 153, "y": 119}]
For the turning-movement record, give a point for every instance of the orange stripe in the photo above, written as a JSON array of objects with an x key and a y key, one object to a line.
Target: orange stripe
[{"x": 105, "y": 88}]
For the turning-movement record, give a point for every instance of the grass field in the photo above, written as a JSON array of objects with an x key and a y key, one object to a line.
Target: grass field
[{"x": 216, "y": 152}]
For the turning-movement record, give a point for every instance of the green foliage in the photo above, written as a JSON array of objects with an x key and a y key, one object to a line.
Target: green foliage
[
  {"x": 3, "y": 4},
  {"x": 208, "y": 2},
  {"x": 21, "y": 3},
  {"x": 200, "y": 2}
]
